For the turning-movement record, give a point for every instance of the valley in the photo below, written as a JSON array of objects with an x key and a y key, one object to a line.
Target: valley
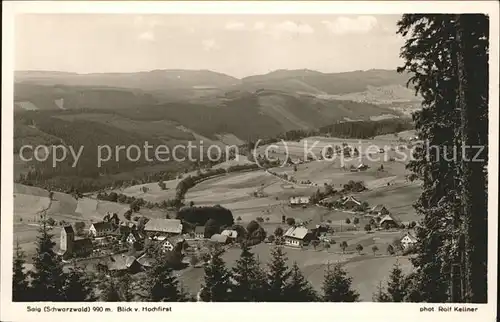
[
  {"x": 298, "y": 114},
  {"x": 260, "y": 195}
]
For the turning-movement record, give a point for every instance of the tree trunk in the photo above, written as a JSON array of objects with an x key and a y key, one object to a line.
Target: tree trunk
[{"x": 473, "y": 195}]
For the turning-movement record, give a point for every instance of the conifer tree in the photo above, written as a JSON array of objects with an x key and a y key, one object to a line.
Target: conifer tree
[
  {"x": 48, "y": 278},
  {"x": 337, "y": 286},
  {"x": 429, "y": 57},
  {"x": 396, "y": 287},
  {"x": 380, "y": 295},
  {"x": 217, "y": 283},
  {"x": 472, "y": 33},
  {"x": 249, "y": 279},
  {"x": 109, "y": 291},
  {"x": 124, "y": 286},
  {"x": 298, "y": 289},
  {"x": 162, "y": 285},
  {"x": 20, "y": 285},
  {"x": 447, "y": 56},
  {"x": 277, "y": 275},
  {"x": 78, "y": 286}
]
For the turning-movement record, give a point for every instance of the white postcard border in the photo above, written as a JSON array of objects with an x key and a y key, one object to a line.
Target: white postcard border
[{"x": 244, "y": 311}]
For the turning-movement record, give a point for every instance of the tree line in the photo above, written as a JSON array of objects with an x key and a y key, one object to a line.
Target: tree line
[{"x": 346, "y": 130}]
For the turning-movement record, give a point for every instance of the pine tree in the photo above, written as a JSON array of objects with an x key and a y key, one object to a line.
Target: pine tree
[
  {"x": 162, "y": 285},
  {"x": 249, "y": 279},
  {"x": 20, "y": 285},
  {"x": 298, "y": 289},
  {"x": 277, "y": 275},
  {"x": 78, "y": 286},
  {"x": 124, "y": 286},
  {"x": 109, "y": 291},
  {"x": 396, "y": 290},
  {"x": 412, "y": 287},
  {"x": 217, "y": 283},
  {"x": 380, "y": 295},
  {"x": 337, "y": 286},
  {"x": 429, "y": 57},
  {"x": 48, "y": 278},
  {"x": 448, "y": 57}
]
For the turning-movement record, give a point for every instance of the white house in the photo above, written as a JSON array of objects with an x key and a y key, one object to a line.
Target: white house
[
  {"x": 101, "y": 229},
  {"x": 296, "y": 236},
  {"x": 408, "y": 240},
  {"x": 298, "y": 201},
  {"x": 169, "y": 244},
  {"x": 133, "y": 237},
  {"x": 199, "y": 232},
  {"x": 230, "y": 233}
]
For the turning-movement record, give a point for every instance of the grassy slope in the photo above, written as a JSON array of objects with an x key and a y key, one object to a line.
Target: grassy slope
[{"x": 29, "y": 202}]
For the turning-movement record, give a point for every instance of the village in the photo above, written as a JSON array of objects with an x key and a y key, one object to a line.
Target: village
[{"x": 118, "y": 247}]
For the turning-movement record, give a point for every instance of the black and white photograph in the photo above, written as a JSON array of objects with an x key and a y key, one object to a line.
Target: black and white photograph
[{"x": 151, "y": 157}]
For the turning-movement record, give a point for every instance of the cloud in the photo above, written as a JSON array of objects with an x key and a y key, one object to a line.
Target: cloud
[
  {"x": 293, "y": 27},
  {"x": 209, "y": 45},
  {"x": 146, "y": 26},
  {"x": 289, "y": 28},
  {"x": 345, "y": 25},
  {"x": 277, "y": 30},
  {"x": 235, "y": 25},
  {"x": 147, "y": 35}
]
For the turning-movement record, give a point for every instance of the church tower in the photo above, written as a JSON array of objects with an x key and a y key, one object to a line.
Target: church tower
[{"x": 67, "y": 239}]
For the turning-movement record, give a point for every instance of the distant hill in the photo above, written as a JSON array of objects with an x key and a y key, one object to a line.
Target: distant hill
[
  {"x": 326, "y": 83},
  {"x": 148, "y": 81},
  {"x": 176, "y": 106},
  {"x": 64, "y": 97},
  {"x": 208, "y": 104},
  {"x": 174, "y": 85}
]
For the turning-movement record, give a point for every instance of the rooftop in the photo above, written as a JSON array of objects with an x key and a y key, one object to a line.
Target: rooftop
[
  {"x": 120, "y": 262},
  {"x": 69, "y": 229},
  {"x": 219, "y": 238},
  {"x": 387, "y": 218},
  {"x": 378, "y": 207},
  {"x": 172, "y": 226},
  {"x": 297, "y": 232},
  {"x": 99, "y": 226}
]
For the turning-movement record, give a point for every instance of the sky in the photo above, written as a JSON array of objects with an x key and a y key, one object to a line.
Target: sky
[{"x": 237, "y": 45}]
